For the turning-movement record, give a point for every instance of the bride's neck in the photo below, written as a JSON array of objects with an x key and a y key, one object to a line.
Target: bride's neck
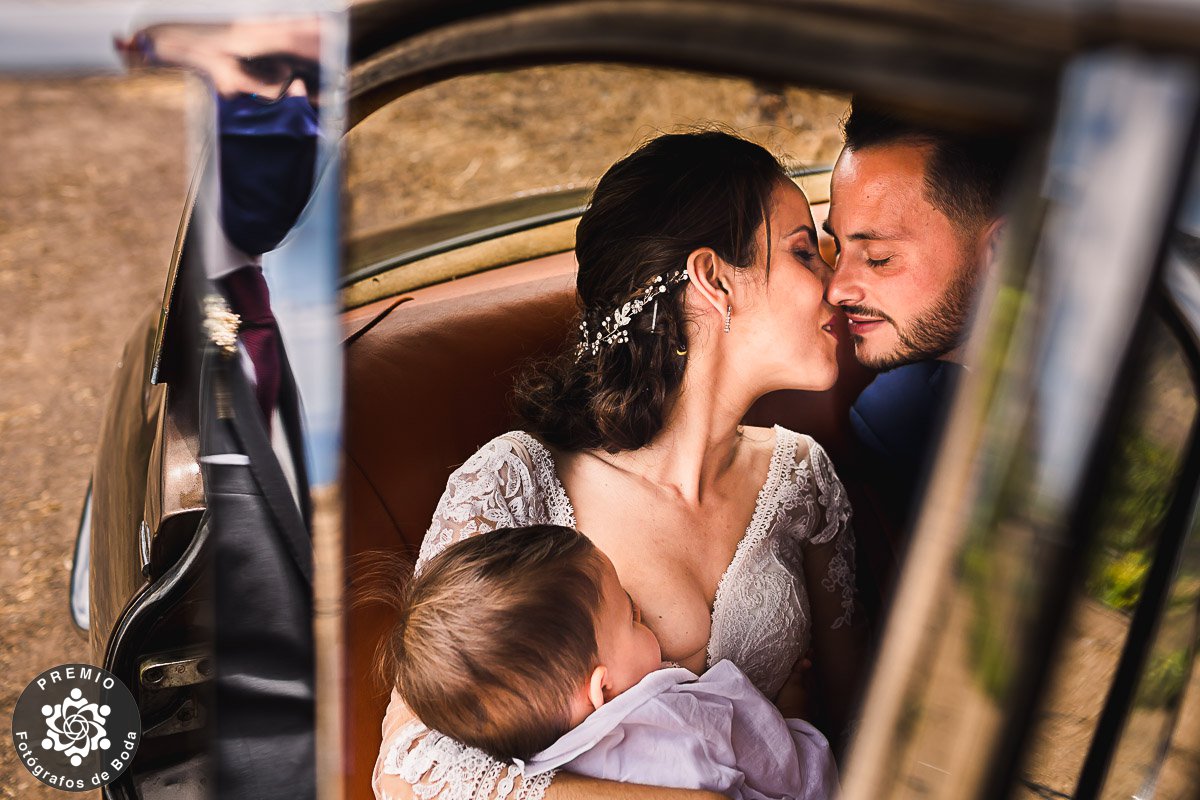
[{"x": 700, "y": 437}]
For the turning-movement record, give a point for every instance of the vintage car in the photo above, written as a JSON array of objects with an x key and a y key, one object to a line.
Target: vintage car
[{"x": 1043, "y": 635}]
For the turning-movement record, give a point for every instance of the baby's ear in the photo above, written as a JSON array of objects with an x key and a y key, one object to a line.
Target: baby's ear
[{"x": 596, "y": 685}]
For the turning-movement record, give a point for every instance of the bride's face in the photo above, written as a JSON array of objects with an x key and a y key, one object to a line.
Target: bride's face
[{"x": 781, "y": 326}]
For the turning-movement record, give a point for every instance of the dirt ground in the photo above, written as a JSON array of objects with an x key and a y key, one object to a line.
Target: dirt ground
[
  {"x": 91, "y": 188},
  {"x": 489, "y": 137}
]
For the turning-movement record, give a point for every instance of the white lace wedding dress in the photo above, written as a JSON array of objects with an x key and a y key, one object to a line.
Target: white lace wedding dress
[{"x": 761, "y": 617}]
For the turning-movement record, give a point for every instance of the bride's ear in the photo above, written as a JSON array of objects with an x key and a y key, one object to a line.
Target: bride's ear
[{"x": 707, "y": 274}]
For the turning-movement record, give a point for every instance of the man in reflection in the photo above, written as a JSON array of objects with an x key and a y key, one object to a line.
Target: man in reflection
[
  {"x": 265, "y": 692},
  {"x": 915, "y": 216},
  {"x": 265, "y": 84}
]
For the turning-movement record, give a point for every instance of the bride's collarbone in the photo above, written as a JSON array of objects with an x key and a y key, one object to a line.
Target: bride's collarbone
[
  {"x": 698, "y": 546},
  {"x": 601, "y": 490},
  {"x": 627, "y": 471},
  {"x": 678, "y": 542}
]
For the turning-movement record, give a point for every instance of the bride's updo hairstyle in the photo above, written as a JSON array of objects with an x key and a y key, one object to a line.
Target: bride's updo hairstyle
[{"x": 651, "y": 210}]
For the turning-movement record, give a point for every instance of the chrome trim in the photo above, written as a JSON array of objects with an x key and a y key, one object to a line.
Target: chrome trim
[
  {"x": 453, "y": 243},
  {"x": 190, "y": 716},
  {"x": 1182, "y": 283},
  {"x": 171, "y": 672},
  {"x": 145, "y": 540},
  {"x": 81, "y": 566},
  {"x": 189, "y": 204}
]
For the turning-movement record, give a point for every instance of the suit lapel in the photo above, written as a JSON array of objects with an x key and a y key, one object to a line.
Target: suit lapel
[
  {"x": 293, "y": 427},
  {"x": 247, "y": 423}
]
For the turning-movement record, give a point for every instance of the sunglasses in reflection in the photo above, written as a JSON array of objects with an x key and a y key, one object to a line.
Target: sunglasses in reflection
[{"x": 274, "y": 74}]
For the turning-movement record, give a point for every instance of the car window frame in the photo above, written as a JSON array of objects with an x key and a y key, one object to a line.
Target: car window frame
[{"x": 1180, "y": 520}]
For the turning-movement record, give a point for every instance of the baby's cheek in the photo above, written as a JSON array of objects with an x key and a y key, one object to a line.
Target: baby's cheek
[{"x": 653, "y": 650}]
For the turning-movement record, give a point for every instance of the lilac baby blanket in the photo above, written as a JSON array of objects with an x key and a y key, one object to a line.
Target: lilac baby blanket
[{"x": 715, "y": 732}]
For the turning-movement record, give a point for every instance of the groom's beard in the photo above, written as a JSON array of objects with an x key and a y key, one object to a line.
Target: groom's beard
[{"x": 933, "y": 332}]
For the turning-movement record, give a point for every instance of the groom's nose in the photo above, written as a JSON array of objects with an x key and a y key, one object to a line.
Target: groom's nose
[{"x": 843, "y": 287}]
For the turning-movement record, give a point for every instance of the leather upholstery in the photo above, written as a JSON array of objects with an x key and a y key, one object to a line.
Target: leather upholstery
[{"x": 427, "y": 384}]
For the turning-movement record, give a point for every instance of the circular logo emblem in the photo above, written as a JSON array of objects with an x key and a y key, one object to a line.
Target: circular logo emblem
[{"x": 76, "y": 727}]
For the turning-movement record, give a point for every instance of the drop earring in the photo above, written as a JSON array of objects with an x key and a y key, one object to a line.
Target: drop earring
[{"x": 728, "y": 315}]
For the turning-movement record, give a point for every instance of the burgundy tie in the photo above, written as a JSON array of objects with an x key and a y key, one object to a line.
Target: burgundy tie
[{"x": 249, "y": 298}]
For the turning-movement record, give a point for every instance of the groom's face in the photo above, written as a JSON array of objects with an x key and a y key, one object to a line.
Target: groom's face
[{"x": 905, "y": 274}]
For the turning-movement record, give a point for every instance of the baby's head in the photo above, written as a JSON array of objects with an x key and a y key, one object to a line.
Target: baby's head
[{"x": 508, "y": 640}]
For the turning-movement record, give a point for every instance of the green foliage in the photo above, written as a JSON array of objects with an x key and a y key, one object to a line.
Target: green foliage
[
  {"x": 990, "y": 653},
  {"x": 1118, "y": 581},
  {"x": 1164, "y": 679},
  {"x": 1141, "y": 494},
  {"x": 1133, "y": 510}
]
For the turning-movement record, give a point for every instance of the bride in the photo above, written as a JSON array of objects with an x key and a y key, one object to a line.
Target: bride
[{"x": 701, "y": 289}]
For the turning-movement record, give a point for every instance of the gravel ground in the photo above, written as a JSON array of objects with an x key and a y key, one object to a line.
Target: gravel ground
[
  {"x": 90, "y": 195},
  {"x": 489, "y": 137}
]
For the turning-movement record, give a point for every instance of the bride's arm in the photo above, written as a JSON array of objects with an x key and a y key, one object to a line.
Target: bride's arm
[
  {"x": 793, "y": 699},
  {"x": 838, "y": 635},
  {"x": 480, "y": 781},
  {"x": 838, "y": 629},
  {"x": 567, "y": 786}
]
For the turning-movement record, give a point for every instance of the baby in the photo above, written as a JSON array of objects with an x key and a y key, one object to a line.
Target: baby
[{"x": 522, "y": 643}]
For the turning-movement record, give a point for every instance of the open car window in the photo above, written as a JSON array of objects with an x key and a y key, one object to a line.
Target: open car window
[{"x": 483, "y": 154}]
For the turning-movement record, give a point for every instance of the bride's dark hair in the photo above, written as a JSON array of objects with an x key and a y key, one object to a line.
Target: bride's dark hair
[{"x": 652, "y": 209}]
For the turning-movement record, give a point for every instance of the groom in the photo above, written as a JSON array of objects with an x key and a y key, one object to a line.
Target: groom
[{"x": 914, "y": 214}]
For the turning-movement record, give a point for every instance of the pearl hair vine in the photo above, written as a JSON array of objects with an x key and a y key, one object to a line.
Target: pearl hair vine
[{"x": 614, "y": 329}]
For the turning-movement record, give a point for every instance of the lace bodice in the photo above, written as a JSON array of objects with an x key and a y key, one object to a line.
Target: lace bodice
[
  {"x": 510, "y": 482},
  {"x": 761, "y": 618}
]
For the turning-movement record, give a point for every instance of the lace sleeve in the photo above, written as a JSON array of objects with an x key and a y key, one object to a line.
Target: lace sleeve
[
  {"x": 837, "y": 632},
  {"x": 416, "y": 763},
  {"x": 829, "y": 544},
  {"x": 493, "y": 489}
]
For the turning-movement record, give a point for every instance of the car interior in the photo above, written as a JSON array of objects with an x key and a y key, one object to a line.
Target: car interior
[
  {"x": 438, "y": 363},
  {"x": 435, "y": 365},
  {"x": 459, "y": 270}
]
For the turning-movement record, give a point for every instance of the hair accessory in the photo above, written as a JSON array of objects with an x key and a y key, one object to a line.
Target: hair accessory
[
  {"x": 728, "y": 315},
  {"x": 613, "y": 328}
]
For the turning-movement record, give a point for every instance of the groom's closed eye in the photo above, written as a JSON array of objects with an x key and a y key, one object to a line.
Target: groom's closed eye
[{"x": 837, "y": 245}]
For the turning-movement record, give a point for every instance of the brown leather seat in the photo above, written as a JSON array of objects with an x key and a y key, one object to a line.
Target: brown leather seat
[
  {"x": 428, "y": 378},
  {"x": 427, "y": 385}
]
